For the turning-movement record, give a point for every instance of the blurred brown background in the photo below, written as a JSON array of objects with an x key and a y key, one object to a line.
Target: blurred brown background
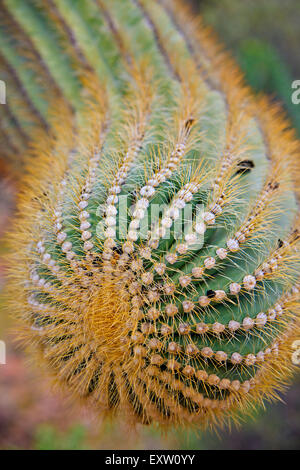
[{"x": 264, "y": 36}]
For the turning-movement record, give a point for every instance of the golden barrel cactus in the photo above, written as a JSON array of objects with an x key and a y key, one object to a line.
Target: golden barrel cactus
[{"x": 155, "y": 257}]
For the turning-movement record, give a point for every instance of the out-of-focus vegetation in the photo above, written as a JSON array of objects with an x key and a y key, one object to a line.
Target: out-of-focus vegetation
[
  {"x": 264, "y": 36},
  {"x": 47, "y": 438},
  {"x": 265, "y": 71}
]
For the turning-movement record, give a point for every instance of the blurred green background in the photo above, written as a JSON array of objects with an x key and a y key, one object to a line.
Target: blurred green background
[{"x": 264, "y": 36}]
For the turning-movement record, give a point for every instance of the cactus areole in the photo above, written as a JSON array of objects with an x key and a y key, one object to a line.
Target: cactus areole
[{"x": 155, "y": 256}]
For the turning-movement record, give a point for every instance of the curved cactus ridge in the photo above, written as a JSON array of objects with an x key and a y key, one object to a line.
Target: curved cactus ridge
[{"x": 155, "y": 258}]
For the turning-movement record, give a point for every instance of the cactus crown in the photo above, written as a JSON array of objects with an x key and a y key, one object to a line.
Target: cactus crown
[{"x": 155, "y": 258}]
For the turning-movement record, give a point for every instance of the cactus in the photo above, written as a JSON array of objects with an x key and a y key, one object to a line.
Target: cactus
[{"x": 154, "y": 264}]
